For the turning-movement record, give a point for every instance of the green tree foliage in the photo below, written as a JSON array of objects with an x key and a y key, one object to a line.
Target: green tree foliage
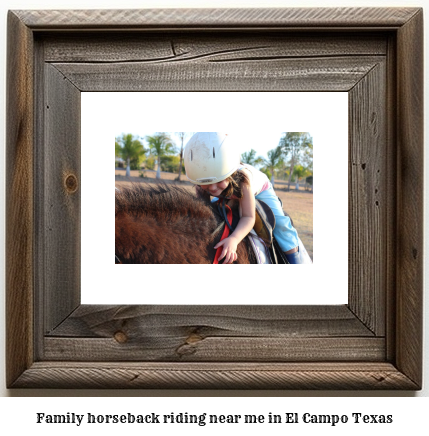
[
  {"x": 273, "y": 161},
  {"x": 249, "y": 157},
  {"x": 150, "y": 162},
  {"x": 130, "y": 148},
  {"x": 160, "y": 145},
  {"x": 299, "y": 172},
  {"x": 307, "y": 158},
  {"x": 117, "y": 148},
  {"x": 136, "y": 162},
  {"x": 294, "y": 146},
  {"x": 119, "y": 162},
  {"x": 170, "y": 164}
]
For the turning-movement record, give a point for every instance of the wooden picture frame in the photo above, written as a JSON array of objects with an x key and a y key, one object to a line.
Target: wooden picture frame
[{"x": 373, "y": 342}]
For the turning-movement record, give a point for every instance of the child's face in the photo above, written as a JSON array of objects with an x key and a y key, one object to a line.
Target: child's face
[{"x": 215, "y": 189}]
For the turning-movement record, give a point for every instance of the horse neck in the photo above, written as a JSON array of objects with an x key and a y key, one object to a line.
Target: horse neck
[{"x": 170, "y": 235}]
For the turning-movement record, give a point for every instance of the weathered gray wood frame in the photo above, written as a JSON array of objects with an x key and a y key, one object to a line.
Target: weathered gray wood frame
[{"x": 373, "y": 342}]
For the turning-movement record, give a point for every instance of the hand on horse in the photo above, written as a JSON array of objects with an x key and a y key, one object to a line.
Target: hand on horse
[{"x": 229, "y": 250}]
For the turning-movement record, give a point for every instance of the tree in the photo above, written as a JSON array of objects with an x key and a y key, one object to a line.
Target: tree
[
  {"x": 182, "y": 136},
  {"x": 129, "y": 148},
  {"x": 299, "y": 171},
  {"x": 307, "y": 158},
  {"x": 309, "y": 181},
  {"x": 118, "y": 159},
  {"x": 160, "y": 145},
  {"x": 293, "y": 146},
  {"x": 249, "y": 157},
  {"x": 170, "y": 163},
  {"x": 117, "y": 148},
  {"x": 150, "y": 163},
  {"x": 273, "y": 161},
  {"x": 307, "y": 162}
]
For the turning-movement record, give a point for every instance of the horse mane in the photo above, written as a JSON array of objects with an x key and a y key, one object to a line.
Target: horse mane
[
  {"x": 166, "y": 202},
  {"x": 166, "y": 224}
]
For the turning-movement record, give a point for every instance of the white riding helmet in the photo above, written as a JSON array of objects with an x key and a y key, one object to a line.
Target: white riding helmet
[{"x": 210, "y": 158}]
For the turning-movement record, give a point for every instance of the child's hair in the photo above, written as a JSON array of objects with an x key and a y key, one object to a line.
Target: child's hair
[{"x": 234, "y": 184}]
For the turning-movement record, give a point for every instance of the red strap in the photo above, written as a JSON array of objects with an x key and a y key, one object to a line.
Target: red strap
[{"x": 225, "y": 234}]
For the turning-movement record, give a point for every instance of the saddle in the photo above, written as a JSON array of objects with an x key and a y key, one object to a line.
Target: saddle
[
  {"x": 265, "y": 222},
  {"x": 267, "y": 251}
]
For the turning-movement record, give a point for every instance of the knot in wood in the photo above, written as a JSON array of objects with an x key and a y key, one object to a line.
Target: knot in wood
[
  {"x": 193, "y": 338},
  {"x": 70, "y": 183},
  {"x": 120, "y": 337}
]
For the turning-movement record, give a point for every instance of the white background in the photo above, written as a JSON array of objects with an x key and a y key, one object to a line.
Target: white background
[
  {"x": 412, "y": 415},
  {"x": 323, "y": 114}
]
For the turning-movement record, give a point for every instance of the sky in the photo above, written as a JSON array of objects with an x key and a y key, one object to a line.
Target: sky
[{"x": 261, "y": 141}]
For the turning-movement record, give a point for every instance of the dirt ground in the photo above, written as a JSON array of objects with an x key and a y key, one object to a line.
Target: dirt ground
[{"x": 298, "y": 204}]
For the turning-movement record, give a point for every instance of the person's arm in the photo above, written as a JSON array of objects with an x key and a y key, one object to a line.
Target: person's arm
[{"x": 244, "y": 226}]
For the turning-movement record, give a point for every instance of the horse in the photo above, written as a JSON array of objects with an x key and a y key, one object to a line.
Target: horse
[{"x": 168, "y": 224}]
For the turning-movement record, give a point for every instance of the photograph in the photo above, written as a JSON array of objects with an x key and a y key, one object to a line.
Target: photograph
[{"x": 155, "y": 222}]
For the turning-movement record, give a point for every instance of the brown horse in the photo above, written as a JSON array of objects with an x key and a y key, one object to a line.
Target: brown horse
[{"x": 168, "y": 224}]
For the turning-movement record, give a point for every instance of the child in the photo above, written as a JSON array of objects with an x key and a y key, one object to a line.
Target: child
[{"x": 213, "y": 164}]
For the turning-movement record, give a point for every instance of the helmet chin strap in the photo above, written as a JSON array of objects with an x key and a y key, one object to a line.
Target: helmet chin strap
[
  {"x": 228, "y": 219},
  {"x": 223, "y": 212}
]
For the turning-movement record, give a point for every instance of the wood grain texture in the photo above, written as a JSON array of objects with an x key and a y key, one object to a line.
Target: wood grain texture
[
  {"x": 174, "y": 348},
  {"x": 19, "y": 200},
  {"x": 410, "y": 198},
  {"x": 207, "y": 18},
  {"x": 215, "y": 376},
  {"x": 391, "y": 194},
  {"x": 373, "y": 343},
  {"x": 99, "y": 321},
  {"x": 368, "y": 203},
  {"x": 330, "y": 74},
  {"x": 213, "y": 333},
  {"x": 200, "y": 46},
  {"x": 61, "y": 186}
]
